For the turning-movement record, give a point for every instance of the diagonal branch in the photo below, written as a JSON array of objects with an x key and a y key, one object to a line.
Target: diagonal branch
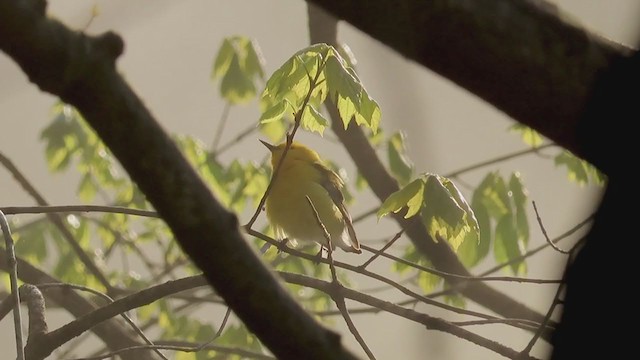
[
  {"x": 81, "y": 70},
  {"x": 492, "y": 48},
  {"x": 383, "y": 185},
  {"x": 58, "y": 222},
  {"x": 113, "y": 333}
]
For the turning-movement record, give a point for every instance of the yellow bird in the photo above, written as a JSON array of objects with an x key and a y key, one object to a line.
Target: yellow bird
[{"x": 301, "y": 175}]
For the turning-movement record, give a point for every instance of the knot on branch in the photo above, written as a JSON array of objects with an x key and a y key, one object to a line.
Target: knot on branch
[
  {"x": 110, "y": 45},
  {"x": 31, "y": 295}
]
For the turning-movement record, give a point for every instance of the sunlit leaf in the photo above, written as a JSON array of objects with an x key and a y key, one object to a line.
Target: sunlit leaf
[
  {"x": 428, "y": 282},
  {"x": 409, "y": 196},
  {"x": 445, "y": 213},
  {"x": 86, "y": 188},
  {"x": 254, "y": 61},
  {"x": 456, "y": 300},
  {"x": 274, "y": 130},
  {"x": 236, "y": 85},
  {"x": 223, "y": 59},
  {"x": 529, "y": 136},
  {"x": 274, "y": 113},
  {"x": 399, "y": 164},
  {"x": 493, "y": 194},
  {"x": 472, "y": 252},
  {"x": 579, "y": 170},
  {"x": 313, "y": 120}
]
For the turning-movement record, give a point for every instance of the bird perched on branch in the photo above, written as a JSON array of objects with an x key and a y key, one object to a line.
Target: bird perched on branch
[{"x": 305, "y": 193}]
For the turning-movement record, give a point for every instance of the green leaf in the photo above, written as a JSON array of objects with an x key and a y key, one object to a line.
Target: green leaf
[
  {"x": 446, "y": 214},
  {"x": 313, "y": 121},
  {"x": 236, "y": 86},
  {"x": 291, "y": 81},
  {"x": 400, "y": 166},
  {"x": 456, "y": 300},
  {"x": 274, "y": 130},
  {"x": 254, "y": 61},
  {"x": 369, "y": 112},
  {"x": 428, "y": 282},
  {"x": 412, "y": 256},
  {"x": 343, "y": 87},
  {"x": 223, "y": 59},
  {"x": 87, "y": 189},
  {"x": 361, "y": 182},
  {"x": 274, "y": 113},
  {"x": 238, "y": 63},
  {"x": 506, "y": 245},
  {"x": 578, "y": 170},
  {"x": 493, "y": 194},
  {"x": 30, "y": 242},
  {"x": 410, "y": 196},
  {"x": 529, "y": 136},
  {"x": 519, "y": 195},
  {"x": 472, "y": 252}
]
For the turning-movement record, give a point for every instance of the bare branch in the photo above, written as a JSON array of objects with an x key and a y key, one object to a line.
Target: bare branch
[
  {"x": 544, "y": 231},
  {"x": 56, "y": 220},
  {"x": 323, "y": 28},
  {"x": 511, "y": 42},
  {"x": 81, "y": 70},
  {"x": 13, "y": 278}
]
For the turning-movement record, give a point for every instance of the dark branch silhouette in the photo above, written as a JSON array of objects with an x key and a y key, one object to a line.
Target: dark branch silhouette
[{"x": 81, "y": 70}]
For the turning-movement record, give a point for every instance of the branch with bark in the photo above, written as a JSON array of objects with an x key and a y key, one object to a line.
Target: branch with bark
[
  {"x": 81, "y": 70},
  {"x": 323, "y": 28},
  {"x": 493, "y": 47}
]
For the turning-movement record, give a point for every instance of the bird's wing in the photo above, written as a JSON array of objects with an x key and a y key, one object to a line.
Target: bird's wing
[{"x": 331, "y": 182}]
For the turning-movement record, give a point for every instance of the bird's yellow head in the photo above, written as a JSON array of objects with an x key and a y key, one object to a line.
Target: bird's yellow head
[{"x": 297, "y": 151}]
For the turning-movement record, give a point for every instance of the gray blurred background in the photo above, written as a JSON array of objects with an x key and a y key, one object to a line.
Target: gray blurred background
[{"x": 169, "y": 51}]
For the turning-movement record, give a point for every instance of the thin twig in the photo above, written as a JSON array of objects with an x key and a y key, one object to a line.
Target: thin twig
[
  {"x": 533, "y": 324},
  {"x": 365, "y": 215},
  {"x": 430, "y": 322},
  {"x": 456, "y": 276},
  {"x": 498, "y": 159},
  {"x": 223, "y": 121},
  {"x": 525, "y": 352},
  {"x": 384, "y": 248},
  {"x": 544, "y": 231},
  {"x": 532, "y": 252},
  {"x": 108, "y": 299},
  {"x": 57, "y": 221},
  {"x": 296, "y": 125},
  {"x": 219, "y": 332},
  {"x": 224, "y": 323},
  {"x": 46, "y": 209},
  {"x": 122, "y": 238},
  {"x": 375, "y": 276},
  {"x": 336, "y": 294},
  {"x": 15, "y": 292},
  {"x": 93, "y": 16},
  {"x": 246, "y": 132},
  {"x": 188, "y": 349}
]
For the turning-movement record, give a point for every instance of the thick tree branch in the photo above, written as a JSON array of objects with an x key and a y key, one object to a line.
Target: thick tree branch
[
  {"x": 323, "y": 29},
  {"x": 81, "y": 70},
  {"x": 521, "y": 56}
]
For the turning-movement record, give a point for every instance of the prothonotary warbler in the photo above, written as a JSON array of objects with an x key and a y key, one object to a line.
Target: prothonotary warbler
[{"x": 301, "y": 175}]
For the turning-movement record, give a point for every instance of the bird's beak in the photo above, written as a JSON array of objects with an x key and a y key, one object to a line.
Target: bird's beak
[{"x": 269, "y": 146}]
